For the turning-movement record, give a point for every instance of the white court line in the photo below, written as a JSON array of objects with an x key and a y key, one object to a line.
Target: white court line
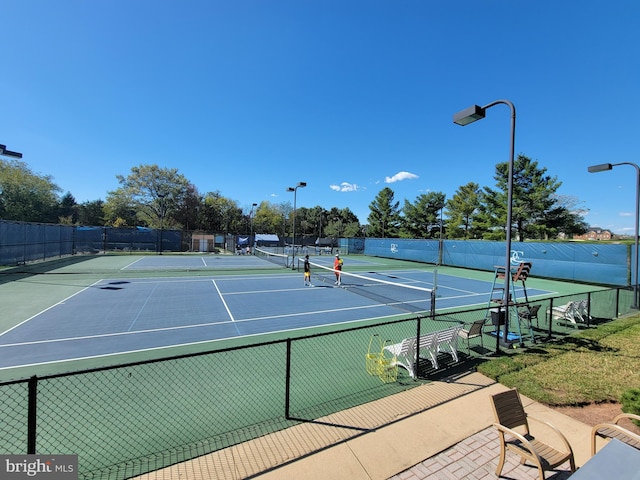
[
  {"x": 222, "y": 300},
  {"x": 115, "y": 334},
  {"x": 132, "y": 263},
  {"x": 197, "y": 325},
  {"x": 49, "y": 308}
]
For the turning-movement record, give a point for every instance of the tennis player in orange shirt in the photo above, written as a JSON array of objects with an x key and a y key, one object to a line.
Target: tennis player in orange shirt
[{"x": 337, "y": 266}]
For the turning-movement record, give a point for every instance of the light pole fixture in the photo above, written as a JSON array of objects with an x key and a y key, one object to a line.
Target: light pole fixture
[
  {"x": 609, "y": 166},
  {"x": 295, "y": 193},
  {"x": 466, "y": 117},
  {"x": 253, "y": 243},
  {"x": 8, "y": 153}
]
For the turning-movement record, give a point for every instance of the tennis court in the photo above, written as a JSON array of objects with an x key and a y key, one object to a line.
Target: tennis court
[{"x": 159, "y": 302}]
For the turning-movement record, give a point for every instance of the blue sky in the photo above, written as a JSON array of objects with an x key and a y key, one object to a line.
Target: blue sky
[{"x": 250, "y": 97}]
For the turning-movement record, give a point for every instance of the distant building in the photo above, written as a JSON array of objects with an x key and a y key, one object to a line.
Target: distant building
[{"x": 595, "y": 233}]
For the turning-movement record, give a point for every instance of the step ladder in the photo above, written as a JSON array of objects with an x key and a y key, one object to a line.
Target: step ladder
[{"x": 497, "y": 302}]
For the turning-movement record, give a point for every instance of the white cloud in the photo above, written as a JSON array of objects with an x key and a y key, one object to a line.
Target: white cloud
[
  {"x": 398, "y": 177},
  {"x": 625, "y": 214},
  {"x": 345, "y": 187}
]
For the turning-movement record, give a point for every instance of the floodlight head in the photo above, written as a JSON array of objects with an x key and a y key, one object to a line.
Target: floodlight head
[
  {"x": 9, "y": 153},
  {"x": 291, "y": 189},
  {"x": 302, "y": 184},
  {"x": 254, "y": 205},
  {"x": 600, "y": 168},
  {"x": 469, "y": 115}
]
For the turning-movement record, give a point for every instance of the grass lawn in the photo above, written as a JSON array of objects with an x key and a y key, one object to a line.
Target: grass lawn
[{"x": 593, "y": 366}]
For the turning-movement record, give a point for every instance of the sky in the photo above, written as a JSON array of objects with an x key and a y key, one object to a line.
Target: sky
[{"x": 250, "y": 97}]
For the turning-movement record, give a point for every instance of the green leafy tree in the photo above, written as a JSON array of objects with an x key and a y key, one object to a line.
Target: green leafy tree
[
  {"x": 26, "y": 196},
  {"x": 462, "y": 211},
  {"x": 269, "y": 218},
  {"x": 91, "y": 213},
  {"x": 421, "y": 219},
  {"x": 221, "y": 214},
  {"x": 342, "y": 223},
  {"x": 155, "y": 194},
  {"x": 384, "y": 217}
]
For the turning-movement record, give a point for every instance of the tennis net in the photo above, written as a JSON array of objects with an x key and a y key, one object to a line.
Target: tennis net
[
  {"x": 282, "y": 259},
  {"x": 403, "y": 296}
]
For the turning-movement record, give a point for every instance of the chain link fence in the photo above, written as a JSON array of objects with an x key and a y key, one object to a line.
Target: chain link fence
[{"x": 127, "y": 420}]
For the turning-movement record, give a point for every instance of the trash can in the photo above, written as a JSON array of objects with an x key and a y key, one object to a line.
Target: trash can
[{"x": 498, "y": 316}]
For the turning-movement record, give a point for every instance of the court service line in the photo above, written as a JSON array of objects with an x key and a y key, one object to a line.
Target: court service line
[
  {"x": 141, "y": 309},
  {"x": 52, "y": 306},
  {"x": 222, "y": 300},
  {"x": 132, "y": 263}
]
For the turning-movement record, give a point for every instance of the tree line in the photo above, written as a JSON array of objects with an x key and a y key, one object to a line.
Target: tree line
[{"x": 163, "y": 198}]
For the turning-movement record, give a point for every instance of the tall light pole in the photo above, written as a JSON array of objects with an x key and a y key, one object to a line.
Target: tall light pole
[
  {"x": 295, "y": 193},
  {"x": 470, "y": 115},
  {"x": 609, "y": 166},
  {"x": 253, "y": 243}
]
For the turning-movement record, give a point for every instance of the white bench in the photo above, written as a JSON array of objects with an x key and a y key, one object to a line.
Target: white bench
[{"x": 445, "y": 341}]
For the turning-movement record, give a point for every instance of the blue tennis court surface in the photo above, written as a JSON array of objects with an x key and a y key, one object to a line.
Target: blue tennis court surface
[{"x": 137, "y": 314}]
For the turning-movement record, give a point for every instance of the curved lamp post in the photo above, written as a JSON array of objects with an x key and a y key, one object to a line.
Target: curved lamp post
[
  {"x": 470, "y": 115},
  {"x": 609, "y": 166},
  {"x": 295, "y": 193}
]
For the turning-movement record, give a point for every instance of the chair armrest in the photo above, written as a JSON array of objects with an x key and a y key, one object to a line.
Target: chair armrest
[
  {"x": 626, "y": 415},
  {"x": 555, "y": 429},
  {"x": 525, "y": 443},
  {"x": 615, "y": 427}
]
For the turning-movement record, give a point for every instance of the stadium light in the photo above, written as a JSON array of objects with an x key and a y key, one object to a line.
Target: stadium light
[
  {"x": 609, "y": 166},
  {"x": 8, "y": 153},
  {"x": 295, "y": 193},
  {"x": 470, "y": 115}
]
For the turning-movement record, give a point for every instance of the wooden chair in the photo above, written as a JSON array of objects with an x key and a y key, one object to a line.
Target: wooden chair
[
  {"x": 512, "y": 423},
  {"x": 614, "y": 430},
  {"x": 474, "y": 331}
]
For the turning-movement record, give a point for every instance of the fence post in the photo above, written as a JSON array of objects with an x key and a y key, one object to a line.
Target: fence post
[
  {"x": 550, "y": 318},
  {"x": 418, "y": 329},
  {"x": 287, "y": 388},
  {"x": 32, "y": 415}
]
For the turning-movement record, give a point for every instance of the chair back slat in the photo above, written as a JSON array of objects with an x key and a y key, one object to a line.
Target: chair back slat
[{"x": 508, "y": 409}]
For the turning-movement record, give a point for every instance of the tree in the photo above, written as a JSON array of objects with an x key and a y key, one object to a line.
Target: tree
[
  {"x": 421, "y": 219},
  {"x": 384, "y": 219},
  {"x": 462, "y": 210},
  {"x": 269, "y": 218},
  {"x": 533, "y": 199},
  {"x": 26, "y": 196},
  {"x": 341, "y": 223},
  {"x": 91, "y": 213},
  {"x": 221, "y": 214},
  {"x": 565, "y": 217},
  {"x": 68, "y": 210},
  {"x": 155, "y": 194}
]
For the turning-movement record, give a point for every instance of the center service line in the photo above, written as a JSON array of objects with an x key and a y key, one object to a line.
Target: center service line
[{"x": 223, "y": 302}]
